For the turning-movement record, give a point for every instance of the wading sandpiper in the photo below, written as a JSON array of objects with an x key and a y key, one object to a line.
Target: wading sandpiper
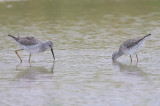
[
  {"x": 130, "y": 47},
  {"x": 32, "y": 45}
]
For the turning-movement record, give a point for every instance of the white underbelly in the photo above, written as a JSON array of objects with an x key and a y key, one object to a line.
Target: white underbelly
[
  {"x": 131, "y": 51},
  {"x": 32, "y": 48}
]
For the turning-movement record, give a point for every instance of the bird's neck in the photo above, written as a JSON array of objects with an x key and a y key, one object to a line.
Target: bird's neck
[
  {"x": 44, "y": 46},
  {"x": 116, "y": 55}
]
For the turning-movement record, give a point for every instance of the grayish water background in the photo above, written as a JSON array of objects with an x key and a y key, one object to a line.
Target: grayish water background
[{"x": 85, "y": 34}]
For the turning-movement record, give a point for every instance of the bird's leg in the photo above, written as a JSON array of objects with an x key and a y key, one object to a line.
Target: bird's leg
[
  {"x": 137, "y": 58},
  {"x": 18, "y": 55},
  {"x": 29, "y": 58},
  {"x": 131, "y": 58}
]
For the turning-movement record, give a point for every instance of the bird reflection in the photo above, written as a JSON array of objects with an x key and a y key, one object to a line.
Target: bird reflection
[
  {"x": 35, "y": 72},
  {"x": 130, "y": 69}
]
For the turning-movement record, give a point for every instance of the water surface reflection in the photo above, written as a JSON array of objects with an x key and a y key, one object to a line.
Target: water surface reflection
[
  {"x": 128, "y": 68},
  {"x": 34, "y": 73}
]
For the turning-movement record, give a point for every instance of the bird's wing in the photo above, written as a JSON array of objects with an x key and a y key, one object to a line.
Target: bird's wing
[
  {"x": 132, "y": 42},
  {"x": 28, "y": 41}
]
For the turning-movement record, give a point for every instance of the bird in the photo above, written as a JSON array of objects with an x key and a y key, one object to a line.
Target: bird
[
  {"x": 32, "y": 45},
  {"x": 130, "y": 47}
]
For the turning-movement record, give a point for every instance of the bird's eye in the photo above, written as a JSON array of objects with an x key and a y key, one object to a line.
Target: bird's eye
[{"x": 49, "y": 45}]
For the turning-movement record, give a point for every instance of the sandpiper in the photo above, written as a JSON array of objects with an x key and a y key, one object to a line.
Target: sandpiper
[
  {"x": 130, "y": 47},
  {"x": 32, "y": 45}
]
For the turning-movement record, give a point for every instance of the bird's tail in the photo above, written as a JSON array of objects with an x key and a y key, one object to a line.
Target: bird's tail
[
  {"x": 147, "y": 35},
  {"x": 15, "y": 38},
  {"x": 143, "y": 39}
]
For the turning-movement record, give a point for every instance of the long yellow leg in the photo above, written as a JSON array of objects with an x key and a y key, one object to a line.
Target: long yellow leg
[
  {"x": 131, "y": 58},
  {"x": 137, "y": 58},
  {"x": 18, "y": 55},
  {"x": 29, "y": 58}
]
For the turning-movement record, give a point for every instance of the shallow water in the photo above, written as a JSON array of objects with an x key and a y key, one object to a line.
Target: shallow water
[{"x": 85, "y": 34}]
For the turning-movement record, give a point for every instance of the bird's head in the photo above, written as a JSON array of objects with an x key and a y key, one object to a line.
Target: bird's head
[
  {"x": 116, "y": 55},
  {"x": 50, "y": 45}
]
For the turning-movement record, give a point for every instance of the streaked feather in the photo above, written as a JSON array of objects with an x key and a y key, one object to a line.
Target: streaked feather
[{"x": 27, "y": 41}]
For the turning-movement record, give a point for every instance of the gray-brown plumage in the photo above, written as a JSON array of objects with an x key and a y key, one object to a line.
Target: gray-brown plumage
[
  {"x": 26, "y": 40},
  {"x": 130, "y": 46},
  {"x": 133, "y": 42}
]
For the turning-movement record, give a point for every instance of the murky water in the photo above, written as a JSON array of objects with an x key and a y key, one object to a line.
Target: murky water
[{"x": 85, "y": 34}]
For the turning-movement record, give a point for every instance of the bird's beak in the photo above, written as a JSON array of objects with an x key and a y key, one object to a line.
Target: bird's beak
[{"x": 53, "y": 54}]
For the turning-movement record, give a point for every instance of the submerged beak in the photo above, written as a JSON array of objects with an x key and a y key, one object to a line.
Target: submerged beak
[{"x": 53, "y": 54}]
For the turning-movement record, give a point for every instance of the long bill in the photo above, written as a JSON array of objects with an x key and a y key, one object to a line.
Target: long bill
[{"x": 53, "y": 54}]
